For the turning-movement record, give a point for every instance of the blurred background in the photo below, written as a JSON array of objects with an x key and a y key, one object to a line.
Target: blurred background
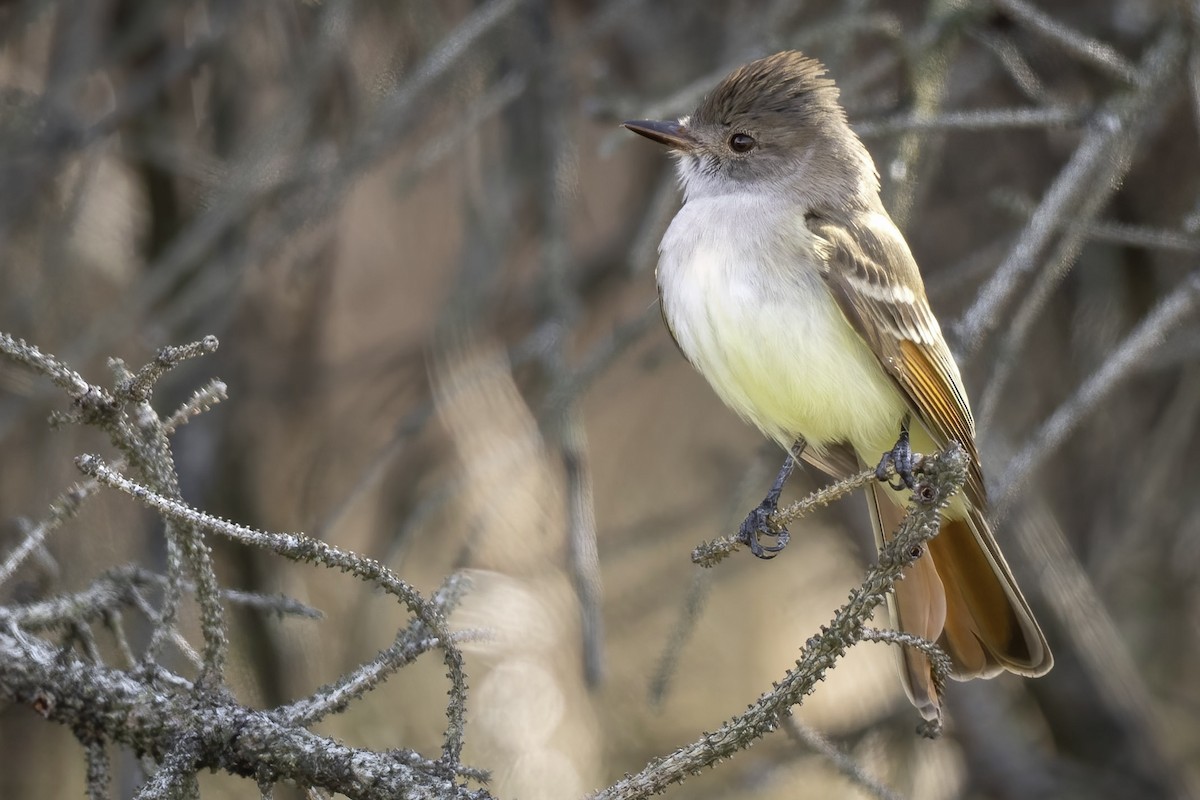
[{"x": 427, "y": 249}]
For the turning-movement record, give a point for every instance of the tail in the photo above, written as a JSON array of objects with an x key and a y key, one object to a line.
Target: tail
[{"x": 962, "y": 595}]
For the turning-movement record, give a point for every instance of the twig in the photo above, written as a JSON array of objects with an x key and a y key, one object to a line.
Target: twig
[
  {"x": 708, "y": 554},
  {"x": 939, "y": 662},
  {"x": 63, "y": 508},
  {"x": 944, "y": 474},
  {"x": 67, "y": 505},
  {"x": 116, "y": 588},
  {"x": 980, "y": 120},
  {"x": 299, "y": 547},
  {"x": 410, "y": 642},
  {"x": 844, "y": 764}
]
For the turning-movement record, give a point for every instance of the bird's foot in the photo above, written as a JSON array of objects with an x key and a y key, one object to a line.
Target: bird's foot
[
  {"x": 896, "y": 467},
  {"x": 758, "y": 522},
  {"x": 757, "y": 525}
]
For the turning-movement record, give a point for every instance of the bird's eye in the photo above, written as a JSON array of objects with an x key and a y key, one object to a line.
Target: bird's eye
[{"x": 741, "y": 143}]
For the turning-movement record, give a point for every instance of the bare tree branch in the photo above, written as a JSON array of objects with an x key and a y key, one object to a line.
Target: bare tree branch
[{"x": 942, "y": 475}]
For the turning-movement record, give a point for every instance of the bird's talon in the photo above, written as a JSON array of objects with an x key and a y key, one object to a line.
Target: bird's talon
[
  {"x": 768, "y": 551},
  {"x": 756, "y": 525},
  {"x": 896, "y": 466}
]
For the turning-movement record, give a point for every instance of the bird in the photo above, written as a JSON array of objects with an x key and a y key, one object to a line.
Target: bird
[{"x": 786, "y": 284}]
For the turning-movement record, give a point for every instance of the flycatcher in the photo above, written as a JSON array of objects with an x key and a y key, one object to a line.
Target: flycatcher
[{"x": 786, "y": 284}]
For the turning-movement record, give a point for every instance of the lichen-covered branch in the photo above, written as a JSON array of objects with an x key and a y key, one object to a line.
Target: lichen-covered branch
[{"x": 108, "y": 704}]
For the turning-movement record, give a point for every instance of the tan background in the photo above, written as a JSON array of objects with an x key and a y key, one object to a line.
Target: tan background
[{"x": 371, "y": 219}]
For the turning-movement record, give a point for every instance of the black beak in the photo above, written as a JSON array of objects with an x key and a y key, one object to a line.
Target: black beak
[{"x": 672, "y": 134}]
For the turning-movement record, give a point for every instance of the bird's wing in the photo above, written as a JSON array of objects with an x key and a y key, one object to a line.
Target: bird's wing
[{"x": 872, "y": 275}]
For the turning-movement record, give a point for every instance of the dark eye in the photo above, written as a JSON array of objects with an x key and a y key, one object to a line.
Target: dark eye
[{"x": 741, "y": 143}]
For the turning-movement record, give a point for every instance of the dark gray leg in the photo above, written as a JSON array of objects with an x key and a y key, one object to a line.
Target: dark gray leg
[{"x": 756, "y": 524}]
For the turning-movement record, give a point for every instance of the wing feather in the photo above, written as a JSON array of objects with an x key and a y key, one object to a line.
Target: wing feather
[{"x": 872, "y": 275}]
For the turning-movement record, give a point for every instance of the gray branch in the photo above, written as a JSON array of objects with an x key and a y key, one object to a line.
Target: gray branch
[
  {"x": 223, "y": 735},
  {"x": 942, "y": 475}
]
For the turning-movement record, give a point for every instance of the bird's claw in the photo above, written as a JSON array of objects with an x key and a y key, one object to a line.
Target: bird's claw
[
  {"x": 758, "y": 524},
  {"x": 896, "y": 467}
]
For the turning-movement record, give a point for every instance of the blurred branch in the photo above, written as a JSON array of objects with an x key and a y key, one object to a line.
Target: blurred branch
[
  {"x": 313, "y": 189},
  {"x": 1157, "y": 80},
  {"x": 982, "y": 120},
  {"x": 1014, "y": 63},
  {"x": 701, "y": 584},
  {"x": 1085, "y": 48},
  {"x": 1110, "y": 232},
  {"x": 583, "y": 553},
  {"x": 1125, "y": 361},
  {"x": 1090, "y": 171},
  {"x": 847, "y": 766},
  {"x": 1106, "y": 657},
  {"x": 928, "y": 56}
]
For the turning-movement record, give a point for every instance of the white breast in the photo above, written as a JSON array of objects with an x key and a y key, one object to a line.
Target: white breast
[{"x": 750, "y": 310}]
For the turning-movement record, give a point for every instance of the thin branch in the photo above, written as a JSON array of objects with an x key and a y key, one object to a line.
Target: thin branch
[
  {"x": 63, "y": 508},
  {"x": 981, "y": 120},
  {"x": 298, "y": 547},
  {"x": 1105, "y": 134},
  {"x": 584, "y": 557},
  {"x": 58, "y": 372},
  {"x": 115, "y": 589},
  {"x": 202, "y": 400},
  {"x": 708, "y": 554},
  {"x": 1125, "y": 360},
  {"x": 1087, "y": 49},
  {"x": 939, "y": 662},
  {"x": 139, "y": 387},
  {"x": 942, "y": 475},
  {"x": 1158, "y": 80},
  {"x": 843, "y": 763},
  {"x": 175, "y": 778},
  {"x": 410, "y": 642}
]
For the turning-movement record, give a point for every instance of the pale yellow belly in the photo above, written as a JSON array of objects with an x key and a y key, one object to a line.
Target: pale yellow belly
[
  {"x": 774, "y": 345},
  {"x": 799, "y": 370}
]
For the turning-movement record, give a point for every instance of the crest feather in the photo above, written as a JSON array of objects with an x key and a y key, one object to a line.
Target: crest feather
[{"x": 785, "y": 83}]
